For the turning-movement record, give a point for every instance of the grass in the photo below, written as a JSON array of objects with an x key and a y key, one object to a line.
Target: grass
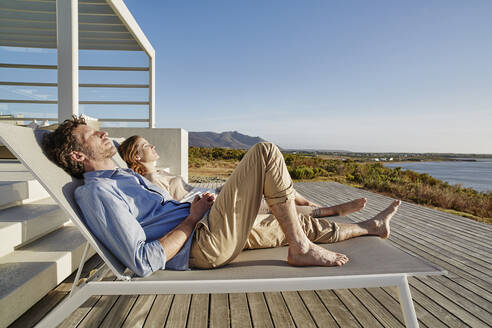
[{"x": 407, "y": 185}]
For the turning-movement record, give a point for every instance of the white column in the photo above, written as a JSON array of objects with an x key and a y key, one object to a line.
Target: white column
[
  {"x": 151, "y": 92},
  {"x": 67, "y": 33}
]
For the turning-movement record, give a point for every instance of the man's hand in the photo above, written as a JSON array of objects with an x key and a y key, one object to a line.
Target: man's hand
[
  {"x": 200, "y": 205},
  {"x": 176, "y": 238}
]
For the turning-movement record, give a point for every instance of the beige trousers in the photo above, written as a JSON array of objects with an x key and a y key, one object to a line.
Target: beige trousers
[{"x": 232, "y": 223}]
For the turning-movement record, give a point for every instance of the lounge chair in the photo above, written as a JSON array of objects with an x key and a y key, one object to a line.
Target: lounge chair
[
  {"x": 117, "y": 158},
  {"x": 252, "y": 271}
]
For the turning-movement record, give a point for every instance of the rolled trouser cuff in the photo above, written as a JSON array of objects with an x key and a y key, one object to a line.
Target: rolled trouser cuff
[{"x": 286, "y": 195}]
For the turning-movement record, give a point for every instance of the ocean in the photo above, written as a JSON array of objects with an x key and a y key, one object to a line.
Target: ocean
[{"x": 477, "y": 175}]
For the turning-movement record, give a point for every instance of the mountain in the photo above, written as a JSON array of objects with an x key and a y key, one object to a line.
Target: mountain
[{"x": 229, "y": 139}]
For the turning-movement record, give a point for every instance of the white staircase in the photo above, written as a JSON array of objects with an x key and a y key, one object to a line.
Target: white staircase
[{"x": 39, "y": 247}]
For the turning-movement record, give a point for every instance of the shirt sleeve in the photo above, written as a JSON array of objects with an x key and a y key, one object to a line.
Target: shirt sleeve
[{"x": 109, "y": 218}]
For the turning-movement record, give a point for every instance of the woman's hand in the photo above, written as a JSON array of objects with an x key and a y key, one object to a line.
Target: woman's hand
[{"x": 200, "y": 205}]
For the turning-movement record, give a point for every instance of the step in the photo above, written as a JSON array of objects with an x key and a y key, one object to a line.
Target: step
[
  {"x": 29, "y": 273},
  {"x": 13, "y": 170},
  {"x": 23, "y": 224},
  {"x": 13, "y": 193}
]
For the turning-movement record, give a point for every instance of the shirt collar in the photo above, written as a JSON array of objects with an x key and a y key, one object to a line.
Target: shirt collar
[{"x": 105, "y": 173}]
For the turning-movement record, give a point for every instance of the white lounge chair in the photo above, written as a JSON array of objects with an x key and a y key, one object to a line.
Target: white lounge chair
[
  {"x": 117, "y": 158},
  {"x": 252, "y": 271}
]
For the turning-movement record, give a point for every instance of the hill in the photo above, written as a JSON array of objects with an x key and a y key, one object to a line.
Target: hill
[{"x": 229, "y": 139}]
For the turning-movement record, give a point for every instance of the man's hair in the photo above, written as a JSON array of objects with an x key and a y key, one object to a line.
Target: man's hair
[{"x": 59, "y": 144}]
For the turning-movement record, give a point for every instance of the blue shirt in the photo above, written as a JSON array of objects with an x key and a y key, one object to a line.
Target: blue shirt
[{"x": 128, "y": 213}]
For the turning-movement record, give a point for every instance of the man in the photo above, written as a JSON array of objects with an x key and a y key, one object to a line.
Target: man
[{"x": 148, "y": 231}]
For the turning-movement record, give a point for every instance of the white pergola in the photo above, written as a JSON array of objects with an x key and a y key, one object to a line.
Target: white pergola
[{"x": 70, "y": 25}]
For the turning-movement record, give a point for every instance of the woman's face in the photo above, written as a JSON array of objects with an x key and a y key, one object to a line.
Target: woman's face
[{"x": 146, "y": 151}]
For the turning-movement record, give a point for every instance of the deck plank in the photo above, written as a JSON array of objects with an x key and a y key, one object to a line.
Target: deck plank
[
  {"x": 178, "y": 315},
  {"x": 391, "y": 305},
  {"x": 318, "y": 311},
  {"x": 364, "y": 317},
  {"x": 98, "y": 312},
  {"x": 260, "y": 314},
  {"x": 198, "y": 316},
  {"x": 139, "y": 312},
  {"x": 425, "y": 317},
  {"x": 278, "y": 310},
  {"x": 219, "y": 310},
  {"x": 159, "y": 311},
  {"x": 337, "y": 309},
  {"x": 119, "y": 311},
  {"x": 465, "y": 292},
  {"x": 297, "y": 309},
  {"x": 240, "y": 317},
  {"x": 453, "y": 303},
  {"x": 376, "y": 309}
]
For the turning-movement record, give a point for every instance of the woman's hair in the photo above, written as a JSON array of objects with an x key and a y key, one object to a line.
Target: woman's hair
[{"x": 128, "y": 150}]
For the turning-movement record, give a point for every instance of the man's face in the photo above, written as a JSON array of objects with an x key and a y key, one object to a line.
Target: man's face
[{"x": 95, "y": 144}]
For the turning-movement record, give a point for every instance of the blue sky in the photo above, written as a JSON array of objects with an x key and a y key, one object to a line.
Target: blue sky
[{"x": 410, "y": 76}]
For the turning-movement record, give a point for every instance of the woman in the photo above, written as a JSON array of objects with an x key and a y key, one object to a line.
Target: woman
[{"x": 141, "y": 156}]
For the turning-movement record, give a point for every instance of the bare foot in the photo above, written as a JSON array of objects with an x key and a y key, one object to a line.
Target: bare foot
[
  {"x": 380, "y": 224},
  {"x": 340, "y": 210},
  {"x": 315, "y": 256}
]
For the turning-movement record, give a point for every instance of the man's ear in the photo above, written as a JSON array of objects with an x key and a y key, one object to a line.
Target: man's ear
[{"x": 77, "y": 156}]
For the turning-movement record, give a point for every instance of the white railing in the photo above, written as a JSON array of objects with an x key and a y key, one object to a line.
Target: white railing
[{"x": 150, "y": 116}]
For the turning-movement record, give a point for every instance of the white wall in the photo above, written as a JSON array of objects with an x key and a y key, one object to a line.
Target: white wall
[{"x": 171, "y": 144}]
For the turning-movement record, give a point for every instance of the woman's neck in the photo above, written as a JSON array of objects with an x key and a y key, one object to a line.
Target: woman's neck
[{"x": 149, "y": 166}]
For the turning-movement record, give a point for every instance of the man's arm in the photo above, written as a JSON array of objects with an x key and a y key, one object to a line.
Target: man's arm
[
  {"x": 110, "y": 219},
  {"x": 176, "y": 238}
]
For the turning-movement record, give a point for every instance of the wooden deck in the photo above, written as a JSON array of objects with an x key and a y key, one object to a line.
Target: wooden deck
[{"x": 462, "y": 299}]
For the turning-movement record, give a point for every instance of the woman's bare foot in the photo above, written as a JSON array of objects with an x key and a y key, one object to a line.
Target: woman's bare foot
[
  {"x": 315, "y": 255},
  {"x": 340, "y": 210},
  {"x": 380, "y": 224}
]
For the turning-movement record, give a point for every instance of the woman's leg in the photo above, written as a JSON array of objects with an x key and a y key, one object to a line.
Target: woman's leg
[
  {"x": 301, "y": 201},
  {"x": 266, "y": 231},
  {"x": 319, "y": 211},
  {"x": 338, "y": 210}
]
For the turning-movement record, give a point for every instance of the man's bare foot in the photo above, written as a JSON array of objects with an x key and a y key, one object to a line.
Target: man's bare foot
[
  {"x": 315, "y": 255},
  {"x": 380, "y": 224},
  {"x": 340, "y": 210}
]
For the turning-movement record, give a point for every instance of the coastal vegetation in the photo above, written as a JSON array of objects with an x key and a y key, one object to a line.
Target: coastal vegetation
[{"x": 407, "y": 185}]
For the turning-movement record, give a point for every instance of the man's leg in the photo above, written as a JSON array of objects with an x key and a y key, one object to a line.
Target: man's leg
[{"x": 221, "y": 238}]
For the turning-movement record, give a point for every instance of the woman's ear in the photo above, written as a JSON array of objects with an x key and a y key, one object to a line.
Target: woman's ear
[{"x": 137, "y": 157}]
